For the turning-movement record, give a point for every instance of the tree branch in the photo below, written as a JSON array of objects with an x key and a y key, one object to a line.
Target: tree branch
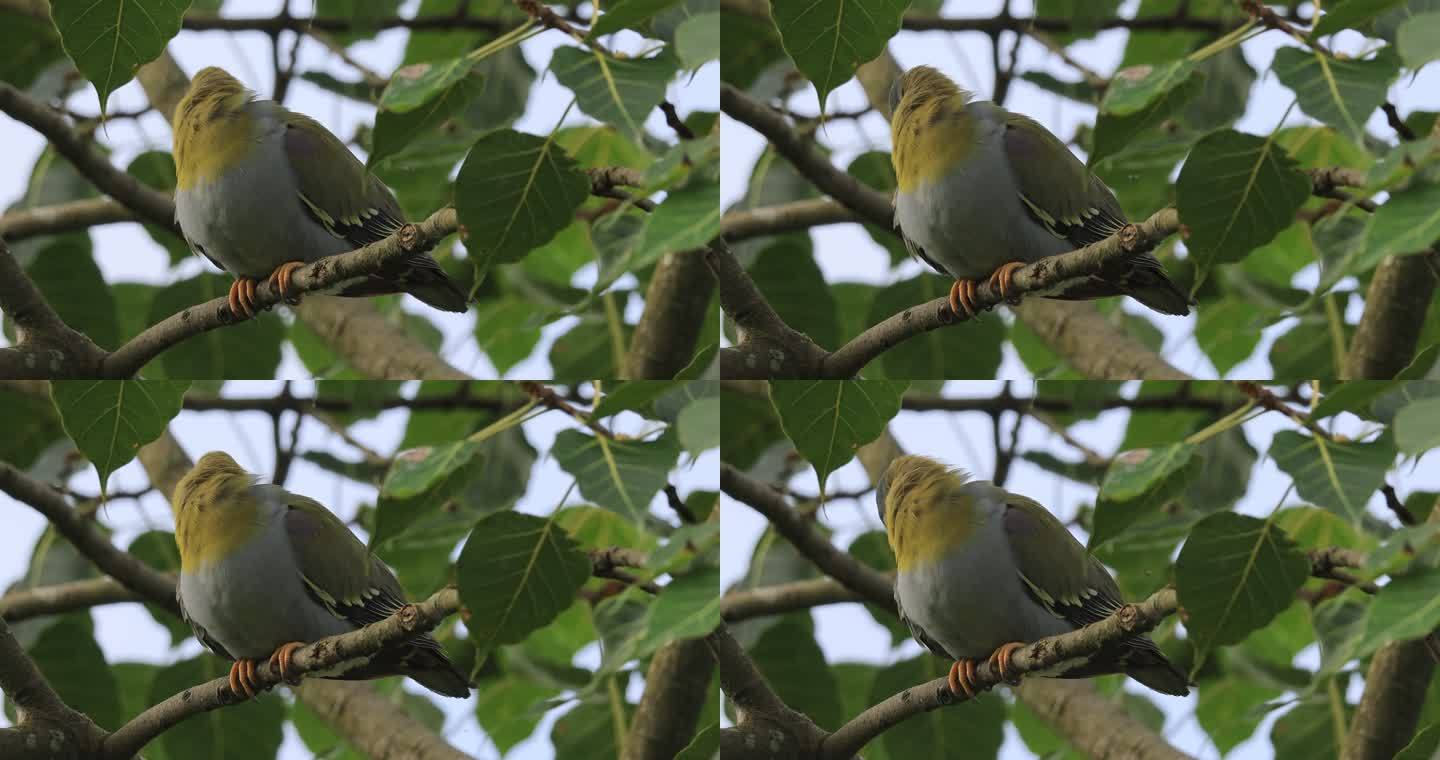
[
  {"x": 148, "y": 203},
  {"x": 785, "y": 217},
  {"x": 676, "y": 302},
  {"x": 676, "y": 686},
  {"x": 1395, "y": 310},
  {"x": 46, "y": 728},
  {"x": 60, "y": 598},
  {"x": 62, "y": 217}
]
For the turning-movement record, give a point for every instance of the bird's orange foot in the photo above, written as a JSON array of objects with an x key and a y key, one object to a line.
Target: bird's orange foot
[
  {"x": 280, "y": 280},
  {"x": 962, "y": 678},
  {"x": 282, "y": 658},
  {"x": 1001, "y": 279},
  {"x": 962, "y": 296},
  {"x": 1000, "y": 661},
  {"x": 242, "y": 298},
  {"x": 242, "y": 678}
]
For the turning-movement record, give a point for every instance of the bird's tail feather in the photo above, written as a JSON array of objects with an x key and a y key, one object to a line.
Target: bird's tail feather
[{"x": 1153, "y": 670}]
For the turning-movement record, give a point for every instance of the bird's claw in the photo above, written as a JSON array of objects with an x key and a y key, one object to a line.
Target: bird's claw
[
  {"x": 242, "y": 678},
  {"x": 280, "y": 280},
  {"x": 282, "y": 659},
  {"x": 1001, "y": 279},
  {"x": 1000, "y": 661},
  {"x": 962, "y": 296},
  {"x": 241, "y": 298},
  {"x": 962, "y": 678}
]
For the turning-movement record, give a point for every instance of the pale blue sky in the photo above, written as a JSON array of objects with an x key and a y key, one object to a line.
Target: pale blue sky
[{"x": 127, "y": 632}]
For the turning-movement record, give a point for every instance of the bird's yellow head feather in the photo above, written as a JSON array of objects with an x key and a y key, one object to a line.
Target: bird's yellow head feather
[
  {"x": 924, "y": 509},
  {"x": 212, "y": 132},
  {"x": 930, "y": 131},
  {"x": 214, "y": 510}
]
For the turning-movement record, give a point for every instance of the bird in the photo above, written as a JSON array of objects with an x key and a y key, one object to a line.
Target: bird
[
  {"x": 264, "y": 571},
  {"x": 982, "y": 191},
  {"x": 979, "y": 570},
  {"x": 261, "y": 191}
]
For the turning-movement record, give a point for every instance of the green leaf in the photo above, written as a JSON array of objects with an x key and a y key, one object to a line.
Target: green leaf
[
  {"x": 1423, "y": 746},
  {"x": 517, "y": 572},
  {"x": 417, "y": 84},
  {"x": 1133, "y": 89},
  {"x": 510, "y": 708},
  {"x": 1350, "y": 14},
  {"x": 1353, "y": 396},
  {"x": 615, "y": 91},
  {"x": 1338, "y": 476},
  {"x": 829, "y": 419},
  {"x": 706, "y": 743},
  {"x": 397, "y": 127},
  {"x": 1138, "y": 482},
  {"x": 973, "y": 732},
  {"x": 1408, "y": 607},
  {"x": 1418, "y": 39},
  {"x": 109, "y": 39},
  {"x": 71, "y": 660},
  {"x": 514, "y": 193},
  {"x": 249, "y": 350},
  {"x": 31, "y": 45},
  {"x": 687, "y": 220},
  {"x": 697, "y": 40},
  {"x": 1116, "y": 131},
  {"x": 156, "y": 168},
  {"x": 507, "y": 330},
  {"x": 1235, "y": 193},
  {"x": 620, "y": 475},
  {"x": 241, "y": 731},
  {"x": 627, "y": 14},
  {"x": 1228, "y": 332},
  {"x": 109, "y": 420},
  {"x": 969, "y": 349},
  {"x": 591, "y": 730},
  {"x": 1313, "y": 729},
  {"x": 1231, "y": 708},
  {"x": 1417, "y": 426},
  {"x": 700, "y": 425},
  {"x": 787, "y": 273},
  {"x": 791, "y": 660},
  {"x": 1342, "y": 94},
  {"x": 751, "y": 45},
  {"x": 1409, "y": 222},
  {"x": 65, "y": 271},
  {"x": 829, "y": 39},
  {"x": 1234, "y": 575}
]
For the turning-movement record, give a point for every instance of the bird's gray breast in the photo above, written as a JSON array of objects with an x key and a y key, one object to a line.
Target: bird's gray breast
[
  {"x": 250, "y": 218},
  {"x": 970, "y": 220},
  {"x": 254, "y": 599},
  {"x": 971, "y": 600}
]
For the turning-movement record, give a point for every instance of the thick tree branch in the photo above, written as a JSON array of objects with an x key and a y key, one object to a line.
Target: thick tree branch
[
  {"x": 46, "y": 728},
  {"x": 45, "y": 345},
  {"x": 774, "y": 220},
  {"x": 669, "y": 328},
  {"x": 60, "y": 598},
  {"x": 62, "y": 217},
  {"x": 781, "y": 598},
  {"x": 676, "y": 686},
  {"x": 1395, "y": 310},
  {"x": 124, "y": 567},
  {"x": 371, "y": 723},
  {"x": 148, "y": 203},
  {"x": 830, "y": 559}
]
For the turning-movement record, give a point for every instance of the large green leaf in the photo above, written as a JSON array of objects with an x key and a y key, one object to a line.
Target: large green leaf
[
  {"x": 787, "y": 273},
  {"x": 110, "y": 420},
  {"x": 1234, "y": 574},
  {"x": 791, "y": 660},
  {"x": 249, "y": 350},
  {"x": 517, "y": 572},
  {"x": 514, "y": 193},
  {"x": 627, "y": 14},
  {"x": 109, "y": 39},
  {"x": 1408, "y": 607},
  {"x": 1338, "y": 476},
  {"x": 829, "y": 39},
  {"x": 65, "y": 271},
  {"x": 1342, "y": 94},
  {"x": 1417, "y": 426},
  {"x": 969, "y": 349},
  {"x": 1139, "y": 482},
  {"x": 1235, "y": 193},
  {"x": 1134, "y": 89},
  {"x": 401, "y": 119},
  {"x": 828, "y": 420},
  {"x": 621, "y": 92},
  {"x": 1409, "y": 222},
  {"x": 621, "y": 475},
  {"x": 70, "y": 658},
  {"x": 242, "y": 731}
]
